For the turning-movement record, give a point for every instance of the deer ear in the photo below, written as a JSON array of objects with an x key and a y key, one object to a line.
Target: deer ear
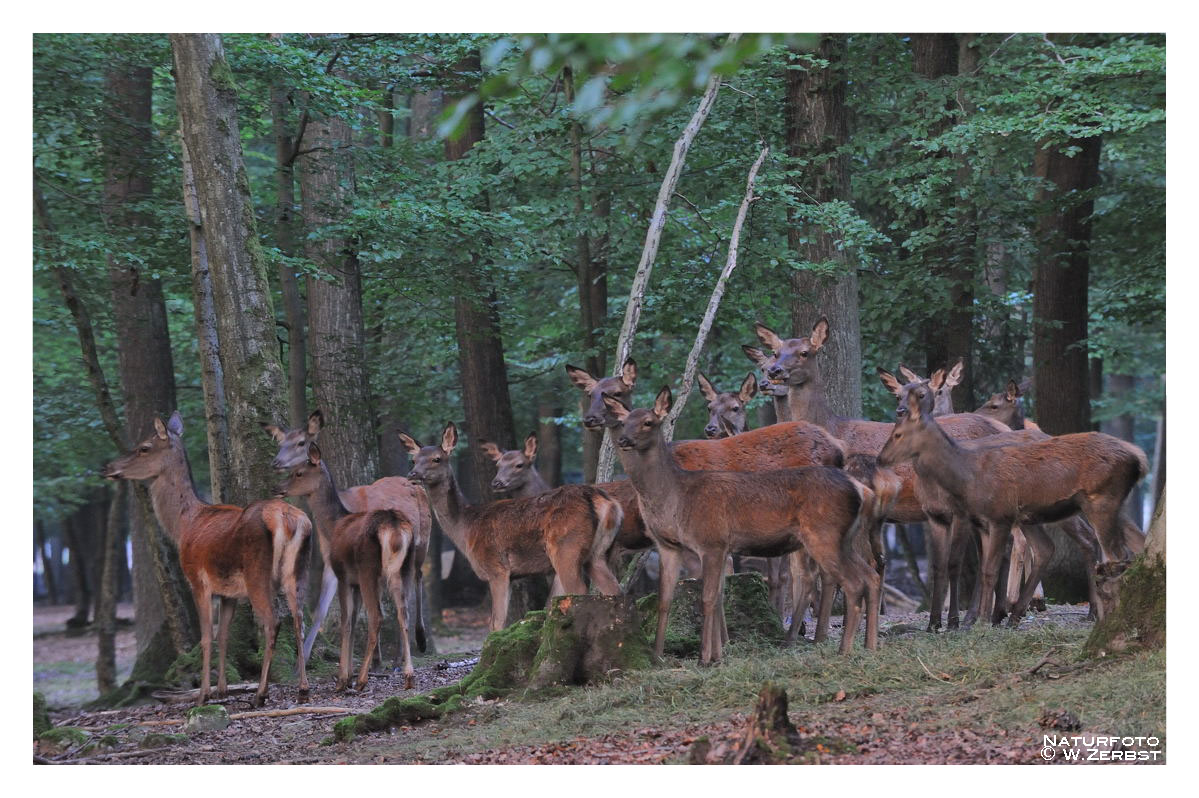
[
  {"x": 490, "y": 449},
  {"x": 175, "y": 424},
  {"x": 908, "y": 374},
  {"x": 613, "y": 404},
  {"x": 531, "y": 446},
  {"x": 314, "y": 454},
  {"x": 888, "y": 380},
  {"x": 1023, "y": 387},
  {"x": 449, "y": 437},
  {"x": 662, "y": 402},
  {"x": 1013, "y": 391},
  {"x": 937, "y": 380},
  {"x": 580, "y": 378},
  {"x": 749, "y": 388},
  {"x": 954, "y": 377},
  {"x": 755, "y": 355},
  {"x": 409, "y": 443},
  {"x": 706, "y": 388},
  {"x": 273, "y": 431},
  {"x": 768, "y": 337},
  {"x": 819, "y": 333},
  {"x": 315, "y": 422},
  {"x": 628, "y": 372},
  {"x": 160, "y": 428}
]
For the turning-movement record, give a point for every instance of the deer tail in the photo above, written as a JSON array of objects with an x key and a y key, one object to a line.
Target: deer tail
[
  {"x": 609, "y": 516},
  {"x": 291, "y": 537},
  {"x": 394, "y": 534},
  {"x": 866, "y": 513}
]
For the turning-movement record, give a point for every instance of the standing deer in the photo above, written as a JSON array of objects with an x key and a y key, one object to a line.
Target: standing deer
[
  {"x": 767, "y": 513},
  {"x": 231, "y": 552},
  {"x": 795, "y": 365},
  {"x": 558, "y": 532},
  {"x": 388, "y": 493},
  {"x": 365, "y": 549},
  {"x": 776, "y": 391},
  {"x": 1031, "y": 483},
  {"x": 726, "y": 411},
  {"x": 1007, "y": 407}
]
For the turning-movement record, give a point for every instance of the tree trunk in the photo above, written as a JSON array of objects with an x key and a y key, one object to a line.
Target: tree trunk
[
  {"x": 285, "y": 239},
  {"x": 484, "y": 375},
  {"x": 106, "y": 612},
  {"x": 549, "y": 441},
  {"x": 73, "y": 534},
  {"x": 1060, "y": 285},
  {"x": 245, "y": 316},
  {"x": 817, "y": 125},
  {"x": 48, "y": 575},
  {"x": 336, "y": 335}
]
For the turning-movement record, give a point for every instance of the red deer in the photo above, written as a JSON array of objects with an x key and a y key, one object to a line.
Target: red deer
[
  {"x": 767, "y": 513},
  {"x": 557, "y": 532},
  {"x": 776, "y": 392},
  {"x": 726, "y": 410},
  {"x": 795, "y": 365},
  {"x": 231, "y": 552},
  {"x": 366, "y": 549},
  {"x": 388, "y": 493},
  {"x": 1031, "y": 483},
  {"x": 1007, "y": 407}
]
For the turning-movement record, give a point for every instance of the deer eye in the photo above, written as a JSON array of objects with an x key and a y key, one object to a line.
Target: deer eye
[
  {"x": 520, "y": 465},
  {"x": 299, "y": 444},
  {"x": 145, "y": 448},
  {"x": 436, "y": 459},
  {"x": 735, "y": 408}
]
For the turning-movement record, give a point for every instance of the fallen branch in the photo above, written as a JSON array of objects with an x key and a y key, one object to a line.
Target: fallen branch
[
  {"x": 930, "y": 673},
  {"x": 705, "y": 326},
  {"x": 653, "y": 236},
  {"x": 179, "y": 696},
  {"x": 1045, "y": 660},
  {"x": 280, "y": 713},
  {"x": 101, "y": 757}
]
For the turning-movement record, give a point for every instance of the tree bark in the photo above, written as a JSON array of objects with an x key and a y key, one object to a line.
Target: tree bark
[
  {"x": 1060, "y": 283},
  {"x": 817, "y": 127},
  {"x": 484, "y": 375},
  {"x": 245, "y": 316},
  {"x": 106, "y": 612},
  {"x": 549, "y": 441},
  {"x": 336, "y": 332}
]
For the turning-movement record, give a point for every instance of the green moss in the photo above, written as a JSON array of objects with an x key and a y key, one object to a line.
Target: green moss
[
  {"x": 41, "y": 718},
  {"x": 221, "y": 75},
  {"x": 106, "y": 742},
  {"x": 62, "y": 739},
  {"x": 210, "y": 717},
  {"x": 161, "y": 740},
  {"x": 747, "y": 611},
  {"x": 1139, "y": 618}
]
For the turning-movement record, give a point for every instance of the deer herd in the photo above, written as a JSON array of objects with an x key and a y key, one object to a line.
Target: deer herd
[{"x": 812, "y": 492}]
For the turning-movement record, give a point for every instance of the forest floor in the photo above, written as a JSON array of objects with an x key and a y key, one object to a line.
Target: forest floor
[{"x": 986, "y": 695}]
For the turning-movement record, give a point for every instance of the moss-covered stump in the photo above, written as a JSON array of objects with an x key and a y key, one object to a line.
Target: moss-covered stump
[
  {"x": 211, "y": 717},
  {"x": 588, "y": 639},
  {"x": 41, "y": 718},
  {"x": 747, "y": 613},
  {"x": 1137, "y": 616},
  {"x": 62, "y": 739}
]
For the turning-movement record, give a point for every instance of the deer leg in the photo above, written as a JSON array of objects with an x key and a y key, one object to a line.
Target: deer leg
[
  {"x": 498, "y": 585},
  {"x": 297, "y": 621},
  {"x": 1084, "y": 537},
  {"x": 262, "y": 602},
  {"x": 1016, "y": 563},
  {"x": 602, "y": 578},
  {"x": 203, "y": 599},
  {"x": 670, "y": 562},
  {"x": 568, "y": 565},
  {"x": 328, "y": 588},
  {"x": 369, "y": 588},
  {"x": 939, "y": 537},
  {"x": 1103, "y": 513},
  {"x": 345, "y": 597},
  {"x": 973, "y": 537},
  {"x": 802, "y": 590},
  {"x": 713, "y": 579},
  {"x": 418, "y": 599},
  {"x": 993, "y": 544},
  {"x": 880, "y": 560},
  {"x": 1042, "y": 552},
  {"x": 828, "y": 593},
  {"x": 228, "y": 605},
  {"x": 397, "y": 595}
]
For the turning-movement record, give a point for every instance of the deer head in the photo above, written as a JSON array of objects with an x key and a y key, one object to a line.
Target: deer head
[
  {"x": 153, "y": 455},
  {"x": 293, "y": 443},
  {"x": 619, "y": 388},
  {"x": 763, "y": 362},
  {"x": 512, "y": 467},
  {"x": 911, "y": 429},
  {"x": 941, "y": 384},
  {"x": 726, "y": 410},
  {"x": 1007, "y": 406},
  {"x": 639, "y": 428},
  {"x": 794, "y": 358},
  {"x": 431, "y": 464},
  {"x": 305, "y": 479}
]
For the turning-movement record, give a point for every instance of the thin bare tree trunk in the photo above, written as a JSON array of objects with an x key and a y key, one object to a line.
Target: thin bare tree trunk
[
  {"x": 705, "y": 326},
  {"x": 106, "y": 613},
  {"x": 653, "y": 237}
]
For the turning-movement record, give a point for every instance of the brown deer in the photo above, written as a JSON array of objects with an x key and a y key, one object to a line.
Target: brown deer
[
  {"x": 726, "y": 410},
  {"x": 388, "y": 493},
  {"x": 1007, "y": 407},
  {"x": 231, "y": 552},
  {"x": 1031, "y": 483},
  {"x": 795, "y": 365},
  {"x": 767, "y": 513},
  {"x": 777, "y": 392},
  {"x": 557, "y": 532},
  {"x": 365, "y": 549}
]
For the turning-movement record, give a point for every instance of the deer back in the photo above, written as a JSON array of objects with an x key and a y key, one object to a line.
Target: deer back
[{"x": 793, "y": 444}]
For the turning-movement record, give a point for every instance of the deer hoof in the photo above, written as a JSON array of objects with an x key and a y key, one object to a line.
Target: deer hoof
[
  {"x": 340, "y": 686},
  {"x": 302, "y": 698},
  {"x": 259, "y": 699},
  {"x": 409, "y": 681},
  {"x": 361, "y": 686}
]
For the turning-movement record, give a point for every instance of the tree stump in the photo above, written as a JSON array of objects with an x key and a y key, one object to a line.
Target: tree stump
[
  {"x": 769, "y": 737},
  {"x": 588, "y": 639}
]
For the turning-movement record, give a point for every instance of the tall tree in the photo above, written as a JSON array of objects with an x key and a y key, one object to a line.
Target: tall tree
[
  {"x": 336, "y": 336},
  {"x": 817, "y": 129},
  {"x": 207, "y": 101},
  {"x": 484, "y": 375},
  {"x": 1061, "y": 368}
]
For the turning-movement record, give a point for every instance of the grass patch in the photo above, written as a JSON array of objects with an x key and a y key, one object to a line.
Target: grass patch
[{"x": 966, "y": 679}]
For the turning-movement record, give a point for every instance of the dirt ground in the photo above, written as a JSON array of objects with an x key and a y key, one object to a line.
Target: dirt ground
[{"x": 945, "y": 705}]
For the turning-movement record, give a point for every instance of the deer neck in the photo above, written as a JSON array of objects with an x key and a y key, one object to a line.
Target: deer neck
[
  {"x": 943, "y": 462},
  {"x": 782, "y": 410},
  {"x": 534, "y": 486},
  {"x": 173, "y": 495},
  {"x": 449, "y": 506},
  {"x": 325, "y": 502},
  {"x": 654, "y": 473},
  {"x": 807, "y": 403}
]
